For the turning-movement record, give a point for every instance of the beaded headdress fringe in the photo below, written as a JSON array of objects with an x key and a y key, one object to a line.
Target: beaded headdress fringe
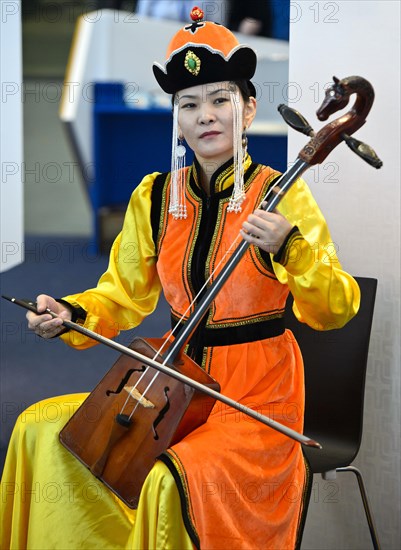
[{"x": 177, "y": 206}]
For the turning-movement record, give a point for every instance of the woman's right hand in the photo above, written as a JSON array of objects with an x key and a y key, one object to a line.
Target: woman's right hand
[{"x": 43, "y": 324}]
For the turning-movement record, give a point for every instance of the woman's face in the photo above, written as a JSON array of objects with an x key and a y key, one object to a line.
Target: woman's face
[{"x": 205, "y": 120}]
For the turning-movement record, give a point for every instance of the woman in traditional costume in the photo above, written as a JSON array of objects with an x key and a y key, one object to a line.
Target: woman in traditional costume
[{"x": 232, "y": 482}]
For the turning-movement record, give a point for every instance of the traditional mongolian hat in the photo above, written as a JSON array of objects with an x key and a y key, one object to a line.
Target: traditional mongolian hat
[{"x": 203, "y": 52}]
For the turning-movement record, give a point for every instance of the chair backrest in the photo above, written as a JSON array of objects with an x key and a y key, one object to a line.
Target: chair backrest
[{"x": 335, "y": 368}]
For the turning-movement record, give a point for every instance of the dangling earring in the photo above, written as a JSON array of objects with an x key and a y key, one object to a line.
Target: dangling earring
[
  {"x": 177, "y": 207},
  {"x": 181, "y": 150}
]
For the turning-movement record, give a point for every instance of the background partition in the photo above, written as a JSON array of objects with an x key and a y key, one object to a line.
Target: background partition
[
  {"x": 362, "y": 206},
  {"x": 11, "y": 150}
]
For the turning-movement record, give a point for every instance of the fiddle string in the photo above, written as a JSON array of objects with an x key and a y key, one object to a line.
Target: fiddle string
[{"x": 271, "y": 191}]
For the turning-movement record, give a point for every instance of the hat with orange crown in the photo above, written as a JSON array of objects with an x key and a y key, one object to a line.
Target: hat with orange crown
[
  {"x": 201, "y": 53},
  {"x": 204, "y": 52}
]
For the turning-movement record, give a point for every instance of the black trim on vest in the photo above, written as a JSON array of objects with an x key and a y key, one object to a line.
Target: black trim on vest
[
  {"x": 243, "y": 334},
  {"x": 187, "y": 521},
  {"x": 266, "y": 258},
  {"x": 156, "y": 204}
]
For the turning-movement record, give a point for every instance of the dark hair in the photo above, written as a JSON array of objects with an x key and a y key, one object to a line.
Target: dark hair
[{"x": 243, "y": 86}]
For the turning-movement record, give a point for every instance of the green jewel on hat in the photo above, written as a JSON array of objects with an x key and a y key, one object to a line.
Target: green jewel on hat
[
  {"x": 192, "y": 63},
  {"x": 206, "y": 45}
]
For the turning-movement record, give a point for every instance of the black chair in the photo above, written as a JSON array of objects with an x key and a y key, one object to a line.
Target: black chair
[{"x": 335, "y": 368}]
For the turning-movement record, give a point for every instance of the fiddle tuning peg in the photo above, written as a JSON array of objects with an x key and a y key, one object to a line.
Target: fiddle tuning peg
[
  {"x": 363, "y": 150},
  {"x": 294, "y": 119}
]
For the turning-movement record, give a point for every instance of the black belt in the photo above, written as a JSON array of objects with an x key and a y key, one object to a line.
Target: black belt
[{"x": 242, "y": 334}]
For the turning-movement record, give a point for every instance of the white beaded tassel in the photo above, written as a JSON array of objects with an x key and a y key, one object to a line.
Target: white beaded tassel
[
  {"x": 178, "y": 207},
  {"x": 238, "y": 195}
]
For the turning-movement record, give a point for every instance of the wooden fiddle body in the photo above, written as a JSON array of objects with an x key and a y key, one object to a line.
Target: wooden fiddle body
[{"x": 121, "y": 451}]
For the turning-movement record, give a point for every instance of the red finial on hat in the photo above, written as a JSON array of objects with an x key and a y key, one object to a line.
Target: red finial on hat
[{"x": 197, "y": 14}]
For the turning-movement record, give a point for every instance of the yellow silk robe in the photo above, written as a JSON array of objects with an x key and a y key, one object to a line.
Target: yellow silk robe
[{"x": 232, "y": 482}]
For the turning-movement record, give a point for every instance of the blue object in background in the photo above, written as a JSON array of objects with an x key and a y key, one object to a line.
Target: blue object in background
[{"x": 280, "y": 26}]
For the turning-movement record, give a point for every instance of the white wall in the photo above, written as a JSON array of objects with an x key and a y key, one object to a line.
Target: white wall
[
  {"x": 11, "y": 189},
  {"x": 362, "y": 206}
]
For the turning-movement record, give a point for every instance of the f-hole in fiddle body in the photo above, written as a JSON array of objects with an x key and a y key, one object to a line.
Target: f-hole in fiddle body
[
  {"x": 124, "y": 381},
  {"x": 162, "y": 413}
]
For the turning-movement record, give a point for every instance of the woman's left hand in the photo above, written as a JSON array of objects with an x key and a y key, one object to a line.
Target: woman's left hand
[{"x": 267, "y": 230}]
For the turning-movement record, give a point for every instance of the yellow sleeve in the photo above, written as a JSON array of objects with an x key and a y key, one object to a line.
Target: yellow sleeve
[
  {"x": 325, "y": 296},
  {"x": 130, "y": 288}
]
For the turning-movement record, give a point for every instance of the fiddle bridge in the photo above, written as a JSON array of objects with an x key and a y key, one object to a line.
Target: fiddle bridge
[{"x": 136, "y": 394}]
